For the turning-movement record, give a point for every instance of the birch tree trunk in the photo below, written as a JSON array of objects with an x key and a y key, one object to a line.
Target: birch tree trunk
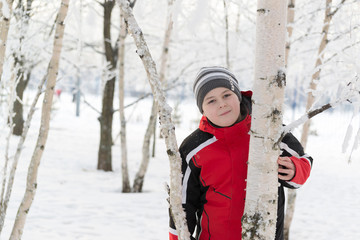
[
  {"x": 11, "y": 97},
  {"x": 259, "y": 219},
  {"x": 167, "y": 127},
  {"x": 121, "y": 53},
  {"x": 316, "y": 76},
  {"x": 124, "y": 167},
  {"x": 150, "y": 131},
  {"x": 10, "y": 182},
  {"x": 310, "y": 101},
  {"x": 4, "y": 30},
  {"x": 31, "y": 184},
  {"x": 140, "y": 175},
  {"x": 291, "y": 196}
]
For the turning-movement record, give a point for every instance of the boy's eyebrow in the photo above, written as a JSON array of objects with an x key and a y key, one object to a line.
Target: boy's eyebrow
[
  {"x": 214, "y": 96},
  {"x": 208, "y": 98}
]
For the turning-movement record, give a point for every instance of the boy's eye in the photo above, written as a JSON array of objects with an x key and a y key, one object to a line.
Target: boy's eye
[
  {"x": 211, "y": 101},
  {"x": 227, "y": 95}
]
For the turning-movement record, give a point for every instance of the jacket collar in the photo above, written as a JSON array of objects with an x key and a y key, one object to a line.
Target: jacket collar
[{"x": 206, "y": 126}]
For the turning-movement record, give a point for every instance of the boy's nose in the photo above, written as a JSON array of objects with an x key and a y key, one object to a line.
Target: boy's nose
[{"x": 222, "y": 104}]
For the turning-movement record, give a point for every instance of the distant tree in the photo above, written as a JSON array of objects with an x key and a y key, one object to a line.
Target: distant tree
[
  {"x": 106, "y": 117},
  {"x": 167, "y": 128},
  {"x": 329, "y": 14},
  {"x": 124, "y": 161},
  {"x": 150, "y": 130},
  {"x": 22, "y": 65},
  {"x": 52, "y": 73}
]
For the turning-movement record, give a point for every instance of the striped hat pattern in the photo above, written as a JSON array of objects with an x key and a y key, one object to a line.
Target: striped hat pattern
[{"x": 209, "y": 78}]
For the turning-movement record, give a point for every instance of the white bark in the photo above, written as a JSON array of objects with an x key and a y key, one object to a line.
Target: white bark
[
  {"x": 44, "y": 127},
  {"x": 10, "y": 104},
  {"x": 259, "y": 220},
  {"x": 167, "y": 127},
  {"x": 140, "y": 175},
  {"x": 10, "y": 182},
  {"x": 4, "y": 30},
  {"x": 124, "y": 161},
  {"x": 316, "y": 76}
]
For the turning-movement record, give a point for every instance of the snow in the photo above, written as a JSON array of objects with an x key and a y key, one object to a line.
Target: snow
[
  {"x": 75, "y": 201},
  {"x": 5, "y": 9}
]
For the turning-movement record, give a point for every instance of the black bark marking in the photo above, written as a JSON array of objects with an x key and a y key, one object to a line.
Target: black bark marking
[{"x": 280, "y": 79}]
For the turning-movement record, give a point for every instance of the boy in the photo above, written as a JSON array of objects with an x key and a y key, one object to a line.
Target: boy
[{"x": 214, "y": 160}]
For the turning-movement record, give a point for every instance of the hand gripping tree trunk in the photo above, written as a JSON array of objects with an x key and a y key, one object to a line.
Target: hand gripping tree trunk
[
  {"x": 167, "y": 127},
  {"x": 31, "y": 184},
  {"x": 150, "y": 131},
  {"x": 259, "y": 219}
]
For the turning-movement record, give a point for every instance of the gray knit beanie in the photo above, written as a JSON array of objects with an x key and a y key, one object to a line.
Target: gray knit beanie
[{"x": 209, "y": 78}]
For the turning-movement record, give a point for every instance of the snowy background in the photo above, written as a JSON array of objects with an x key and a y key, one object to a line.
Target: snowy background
[{"x": 75, "y": 201}]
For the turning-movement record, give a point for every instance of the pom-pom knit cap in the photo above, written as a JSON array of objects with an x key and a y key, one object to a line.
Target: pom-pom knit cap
[{"x": 209, "y": 78}]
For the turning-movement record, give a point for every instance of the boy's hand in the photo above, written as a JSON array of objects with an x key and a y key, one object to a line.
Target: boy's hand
[{"x": 286, "y": 168}]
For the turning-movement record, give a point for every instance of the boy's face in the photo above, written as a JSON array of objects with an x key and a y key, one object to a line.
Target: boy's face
[{"x": 221, "y": 106}]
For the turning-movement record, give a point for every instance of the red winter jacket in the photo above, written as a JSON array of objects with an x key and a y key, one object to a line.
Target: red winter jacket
[{"x": 214, "y": 172}]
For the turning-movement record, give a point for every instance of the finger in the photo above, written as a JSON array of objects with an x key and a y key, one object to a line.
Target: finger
[
  {"x": 286, "y": 171},
  {"x": 284, "y": 159},
  {"x": 286, "y": 162},
  {"x": 285, "y": 178},
  {"x": 286, "y": 174}
]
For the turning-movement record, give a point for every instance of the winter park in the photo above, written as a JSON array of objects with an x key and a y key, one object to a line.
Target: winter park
[{"x": 96, "y": 97}]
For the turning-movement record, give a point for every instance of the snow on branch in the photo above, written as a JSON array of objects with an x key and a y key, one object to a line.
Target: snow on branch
[
  {"x": 350, "y": 93},
  {"x": 166, "y": 125}
]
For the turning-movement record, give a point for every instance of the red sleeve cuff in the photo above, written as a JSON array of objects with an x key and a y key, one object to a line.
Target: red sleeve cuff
[{"x": 302, "y": 171}]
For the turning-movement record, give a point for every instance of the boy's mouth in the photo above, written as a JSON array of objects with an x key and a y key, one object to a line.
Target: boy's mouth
[{"x": 222, "y": 114}]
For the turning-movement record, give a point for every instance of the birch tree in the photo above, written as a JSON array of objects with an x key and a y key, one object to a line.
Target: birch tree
[
  {"x": 121, "y": 53},
  {"x": 260, "y": 214},
  {"x": 316, "y": 76},
  {"x": 291, "y": 196},
  {"x": 5, "y": 16},
  {"x": 52, "y": 72},
  {"x": 166, "y": 125},
  {"x": 150, "y": 130}
]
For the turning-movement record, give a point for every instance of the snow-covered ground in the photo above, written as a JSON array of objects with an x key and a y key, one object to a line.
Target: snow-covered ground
[{"x": 75, "y": 201}]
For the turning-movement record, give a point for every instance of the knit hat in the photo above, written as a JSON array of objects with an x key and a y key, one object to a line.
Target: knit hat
[{"x": 209, "y": 78}]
